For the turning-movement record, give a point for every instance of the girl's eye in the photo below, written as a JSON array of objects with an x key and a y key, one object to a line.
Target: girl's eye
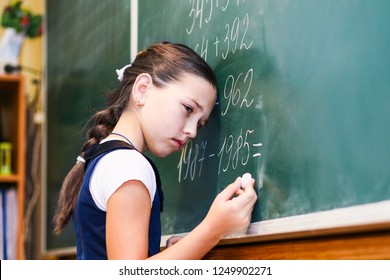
[{"x": 188, "y": 109}]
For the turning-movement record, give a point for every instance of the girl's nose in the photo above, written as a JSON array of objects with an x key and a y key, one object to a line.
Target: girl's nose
[{"x": 191, "y": 129}]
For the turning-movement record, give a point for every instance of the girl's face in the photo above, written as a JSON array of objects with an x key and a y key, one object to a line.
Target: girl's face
[{"x": 172, "y": 114}]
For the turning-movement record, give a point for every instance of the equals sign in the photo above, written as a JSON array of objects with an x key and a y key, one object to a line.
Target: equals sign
[{"x": 257, "y": 145}]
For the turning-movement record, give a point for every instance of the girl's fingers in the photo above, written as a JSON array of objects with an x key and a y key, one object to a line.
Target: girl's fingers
[
  {"x": 230, "y": 190},
  {"x": 248, "y": 195}
]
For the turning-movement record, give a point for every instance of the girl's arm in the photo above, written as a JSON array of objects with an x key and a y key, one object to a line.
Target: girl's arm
[
  {"x": 225, "y": 217},
  {"x": 127, "y": 222},
  {"x": 128, "y": 213}
]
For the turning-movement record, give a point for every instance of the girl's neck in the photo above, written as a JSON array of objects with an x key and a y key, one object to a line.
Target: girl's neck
[
  {"x": 122, "y": 136},
  {"x": 128, "y": 129}
]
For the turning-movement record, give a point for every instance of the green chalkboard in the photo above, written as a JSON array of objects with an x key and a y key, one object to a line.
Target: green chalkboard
[
  {"x": 86, "y": 41},
  {"x": 304, "y": 104}
]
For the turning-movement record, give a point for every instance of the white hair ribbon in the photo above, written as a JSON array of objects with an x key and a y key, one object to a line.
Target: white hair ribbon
[
  {"x": 80, "y": 159},
  {"x": 120, "y": 72}
]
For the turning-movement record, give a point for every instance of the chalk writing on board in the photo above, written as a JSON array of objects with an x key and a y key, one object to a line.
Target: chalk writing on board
[
  {"x": 235, "y": 148},
  {"x": 234, "y": 35},
  {"x": 201, "y": 11},
  {"x": 234, "y": 94}
]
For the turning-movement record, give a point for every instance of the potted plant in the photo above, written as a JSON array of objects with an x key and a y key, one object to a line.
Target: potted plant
[{"x": 19, "y": 22}]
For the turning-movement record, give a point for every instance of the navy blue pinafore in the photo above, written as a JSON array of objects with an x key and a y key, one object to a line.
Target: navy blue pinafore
[{"x": 90, "y": 221}]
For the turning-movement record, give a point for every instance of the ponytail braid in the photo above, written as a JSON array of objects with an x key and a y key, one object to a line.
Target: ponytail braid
[{"x": 104, "y": 122}]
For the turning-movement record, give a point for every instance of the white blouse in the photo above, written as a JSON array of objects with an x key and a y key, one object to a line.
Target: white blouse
[{"x": 116, "y": 168}]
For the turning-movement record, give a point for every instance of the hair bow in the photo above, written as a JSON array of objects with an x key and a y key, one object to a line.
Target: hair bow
[{"x": 120, "y": 72}]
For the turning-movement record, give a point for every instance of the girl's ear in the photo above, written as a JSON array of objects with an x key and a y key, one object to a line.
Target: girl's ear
[{"x": 140, "y": 88}]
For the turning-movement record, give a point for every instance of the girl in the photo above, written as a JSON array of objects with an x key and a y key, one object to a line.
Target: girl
[{"x": 163, "y": 97}]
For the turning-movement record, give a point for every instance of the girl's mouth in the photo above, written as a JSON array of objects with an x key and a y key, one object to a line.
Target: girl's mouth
[{"x": 179, "y": 143}]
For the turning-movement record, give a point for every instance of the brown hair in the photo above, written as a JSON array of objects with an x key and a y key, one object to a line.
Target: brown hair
[{"x": 165, "y": 62}]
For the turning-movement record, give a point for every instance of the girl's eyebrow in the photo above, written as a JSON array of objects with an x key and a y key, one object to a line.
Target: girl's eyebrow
[{"x": 197, "y": 104}]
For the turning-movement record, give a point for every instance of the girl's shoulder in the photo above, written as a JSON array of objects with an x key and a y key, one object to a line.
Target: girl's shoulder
[
  {"x": 126, "y": 155},
  {"x": 118, "y": 167}
]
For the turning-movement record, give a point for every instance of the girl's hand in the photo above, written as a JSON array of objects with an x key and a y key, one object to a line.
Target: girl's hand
[{"x": 231, "y": 210}]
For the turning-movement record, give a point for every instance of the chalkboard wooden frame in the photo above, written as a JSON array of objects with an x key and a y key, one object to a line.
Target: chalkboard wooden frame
[{"x": 355, "y": 219}]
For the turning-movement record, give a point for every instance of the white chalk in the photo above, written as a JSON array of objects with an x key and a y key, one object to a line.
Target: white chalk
[{"x": 245, "y": 179}]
